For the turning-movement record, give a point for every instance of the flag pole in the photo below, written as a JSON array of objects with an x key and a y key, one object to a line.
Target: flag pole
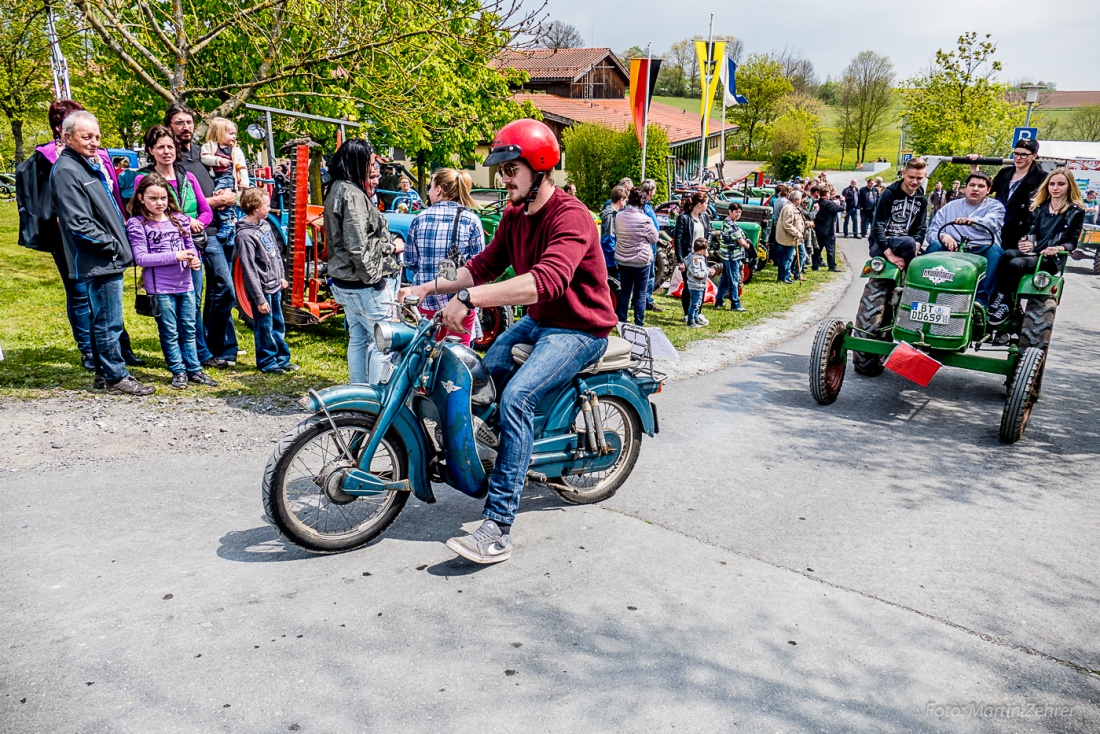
[
  {"x": 706, "y": 107},
  {"x": 725, "y": 93},
  {"x": 645, "y": 108}
]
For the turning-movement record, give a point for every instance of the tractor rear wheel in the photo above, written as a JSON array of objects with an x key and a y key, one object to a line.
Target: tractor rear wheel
[
  {"x": 872, "y": 320},
  {"x": 1038, "y": 323},
  {"x": 828, "y": 360},
  {"x": 1096, "y": 261},
  {"x": 1023, "y": 394},
  {"x": 662, "y": 269}
]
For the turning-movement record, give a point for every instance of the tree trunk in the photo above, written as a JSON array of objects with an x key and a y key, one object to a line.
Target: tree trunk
[{"x": 17, "y": 136}]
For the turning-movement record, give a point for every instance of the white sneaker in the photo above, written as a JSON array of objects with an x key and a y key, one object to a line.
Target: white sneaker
[
  {"x": 702, "y": 320},
  {"x": 485, "y": 545}
]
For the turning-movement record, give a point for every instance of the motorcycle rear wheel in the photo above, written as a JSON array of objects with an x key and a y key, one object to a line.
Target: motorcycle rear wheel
[
  {"x": 584, "y": 489},
  {"x": 301, "y": 491}
]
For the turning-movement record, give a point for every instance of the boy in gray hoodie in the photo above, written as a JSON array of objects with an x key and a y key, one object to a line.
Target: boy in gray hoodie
[{"x": 262, "y": 273}]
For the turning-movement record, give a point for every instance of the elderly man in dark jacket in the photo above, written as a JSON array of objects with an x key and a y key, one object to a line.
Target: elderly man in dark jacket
[
  {"x": 868, "y": 201},
  {"x": 97, "y": 249}
]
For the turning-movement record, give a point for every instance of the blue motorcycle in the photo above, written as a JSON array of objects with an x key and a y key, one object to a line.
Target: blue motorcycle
[{"x": 340, "y": 477}]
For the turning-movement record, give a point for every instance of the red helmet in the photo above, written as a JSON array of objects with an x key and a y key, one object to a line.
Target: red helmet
[{"x": 527, "y": 140}]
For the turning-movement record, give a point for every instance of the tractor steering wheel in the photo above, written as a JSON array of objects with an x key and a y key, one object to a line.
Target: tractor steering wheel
[{"x": 977, "y": 225}]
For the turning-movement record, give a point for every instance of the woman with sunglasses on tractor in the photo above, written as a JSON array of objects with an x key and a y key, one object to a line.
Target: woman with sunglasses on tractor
[{"x": 550, "y": 240}]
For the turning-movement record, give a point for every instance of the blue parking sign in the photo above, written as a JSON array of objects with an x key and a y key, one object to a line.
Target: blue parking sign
[
  {"x": 906, "y": 157},
  {"x": 1025, "y": 133}
]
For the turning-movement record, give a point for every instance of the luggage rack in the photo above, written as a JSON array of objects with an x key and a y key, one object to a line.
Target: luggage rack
[{"x": 641, "y": 352}]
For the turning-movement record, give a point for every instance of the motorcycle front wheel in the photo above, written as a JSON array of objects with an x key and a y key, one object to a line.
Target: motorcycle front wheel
[
  {"x": 584, "y": 489},
  {"x": 301, "y": 487}
]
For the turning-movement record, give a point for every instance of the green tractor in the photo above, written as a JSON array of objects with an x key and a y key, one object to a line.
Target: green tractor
[{"x": 931, "y": 307}]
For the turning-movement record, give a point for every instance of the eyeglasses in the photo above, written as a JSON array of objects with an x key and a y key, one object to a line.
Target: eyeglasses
[
  {"x": 509, "y": 169},
  {"x": 1022, "y": 154}
]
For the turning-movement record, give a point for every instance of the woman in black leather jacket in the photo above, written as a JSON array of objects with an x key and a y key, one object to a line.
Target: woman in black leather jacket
[
  {"x": 692, "y": 224},
  {"x": 1057, "y": 214}
]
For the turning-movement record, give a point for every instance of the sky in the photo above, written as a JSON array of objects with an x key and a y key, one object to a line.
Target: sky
[{"x": 1052, "y": 40}]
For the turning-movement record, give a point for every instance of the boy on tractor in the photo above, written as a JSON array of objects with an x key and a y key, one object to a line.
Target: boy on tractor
[
  {"x": 974, "y": 218},
  {"x": 900, "y": 216}
]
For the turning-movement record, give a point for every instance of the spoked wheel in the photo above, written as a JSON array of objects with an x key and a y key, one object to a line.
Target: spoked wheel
[
  {"x": 828, "y": 360},
  {"x": 301, "y": 488},
  {"x": 1023, "y": 394},
  {"x": 584, "y": 489},
  {"x": 873, "y": 319},
  {"x": 494, "y": 322}
]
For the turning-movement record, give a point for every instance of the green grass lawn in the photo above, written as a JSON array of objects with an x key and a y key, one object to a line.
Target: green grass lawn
[{"x": 40, "y": 355}]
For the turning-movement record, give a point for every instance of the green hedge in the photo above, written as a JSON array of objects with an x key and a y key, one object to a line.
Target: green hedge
[{"x": 598, "y": 157}]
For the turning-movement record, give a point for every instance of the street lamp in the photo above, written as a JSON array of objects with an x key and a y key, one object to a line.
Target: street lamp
[{"x": 1032, "y": 91}]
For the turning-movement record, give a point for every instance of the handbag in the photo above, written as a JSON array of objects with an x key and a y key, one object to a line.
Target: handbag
[
  {"x": 144, "y": 304},
  {"x": 453, "y": 253}
]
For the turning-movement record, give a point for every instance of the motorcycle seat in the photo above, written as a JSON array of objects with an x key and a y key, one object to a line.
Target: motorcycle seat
[{"x": 616, "y": 357}]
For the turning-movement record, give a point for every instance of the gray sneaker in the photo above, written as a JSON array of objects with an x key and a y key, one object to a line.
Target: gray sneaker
[
  {"x": 703, "y": 320},
  {"x": 130, "y": 386},
  {"x": 485, "y": 545}
]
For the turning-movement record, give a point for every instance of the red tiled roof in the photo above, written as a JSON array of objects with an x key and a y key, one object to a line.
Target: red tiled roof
[
  {"x": 681, "y": 126},
  {"x": 554, "y": 64},
  {"x": 1059, "y": 100}
]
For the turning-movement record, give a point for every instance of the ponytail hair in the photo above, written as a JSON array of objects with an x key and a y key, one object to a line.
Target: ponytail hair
[{"x": 454, "y": 185}]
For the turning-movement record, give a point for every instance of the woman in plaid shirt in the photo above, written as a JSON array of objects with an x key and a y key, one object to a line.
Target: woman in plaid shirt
[{"x": 447, "y": 228}]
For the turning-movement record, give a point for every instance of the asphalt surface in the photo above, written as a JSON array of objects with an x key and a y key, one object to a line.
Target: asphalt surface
[{"x": 882, "y": 564}]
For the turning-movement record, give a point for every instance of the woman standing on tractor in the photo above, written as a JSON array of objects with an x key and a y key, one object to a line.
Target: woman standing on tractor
[
  {"x": 1058, "y": 214},
  {"x": 362, "y": 261},
  {"x": 447, "y": 230},
  {"x": 1015, "y": 187}
]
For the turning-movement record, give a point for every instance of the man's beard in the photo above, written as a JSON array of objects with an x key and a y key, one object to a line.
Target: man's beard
[
  {"x": 515, "y": 196},
  {"x": 185, "y": 140}
]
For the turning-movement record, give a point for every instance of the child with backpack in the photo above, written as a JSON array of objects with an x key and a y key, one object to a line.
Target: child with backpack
[
  {"x": 225, "y": 159},
  {"x": 160, "y": 237},
  {"x": 696, "y": 275},
  {"x": 262, "y": 272}
]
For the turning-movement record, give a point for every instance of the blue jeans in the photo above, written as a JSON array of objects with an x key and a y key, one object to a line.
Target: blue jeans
[
  {"x": 76, "y": 304},
  {"x": 217, "y": 312},
  {"x": 272, "y": 351},
  {"x": 865, "y": 217},
  {"x": 730, "y": 285},
  {"x": 992, "y": 253},
  {"x": 558, "y": 355},
  {"x": 853, "y": 217},
  {"x": 176, "y": 324},
  {"x": 363, "y": 308},
  {"x": 105, "y": 302},
  {"x": 633, "y": 283},
  {"x": 652, "y": 278},
  {"x": 784, "y": 258},
  {"x": 200, "y": 337},
  {"x": 695, "y": 304}
]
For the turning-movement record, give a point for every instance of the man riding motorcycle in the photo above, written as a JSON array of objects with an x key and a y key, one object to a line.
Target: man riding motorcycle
[{"x": 550, "y": 240}]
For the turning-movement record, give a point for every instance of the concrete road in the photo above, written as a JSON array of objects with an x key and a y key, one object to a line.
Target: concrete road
[{"x": 879, "y": 565}]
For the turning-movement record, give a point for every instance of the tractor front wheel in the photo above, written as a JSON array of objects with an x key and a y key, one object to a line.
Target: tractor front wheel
[
  {"x": 828, "y": 361},
  {"x": 1038, "y": 323},
  {"x": 1096, "y": 261},
  {"x": 873, "y": 320},
  {"x": 1023, "y": 394}
]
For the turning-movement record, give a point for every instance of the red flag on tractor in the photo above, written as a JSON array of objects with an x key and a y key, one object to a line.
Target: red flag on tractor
[{"x": 643, "y": 78}]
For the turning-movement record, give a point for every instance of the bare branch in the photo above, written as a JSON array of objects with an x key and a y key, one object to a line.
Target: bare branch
[
  {"x": 130, "y": 39},
  {"x": 155, "y": 26},
  {"x": 121, "y": 52},
  {"x": 214, "y": 32}
]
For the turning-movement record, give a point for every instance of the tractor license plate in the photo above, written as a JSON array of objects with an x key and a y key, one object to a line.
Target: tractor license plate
[{"x": 930, "y": 313}]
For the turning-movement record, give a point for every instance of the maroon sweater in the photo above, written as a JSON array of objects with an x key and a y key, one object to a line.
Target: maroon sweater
[{"x": 560, "y": 246}]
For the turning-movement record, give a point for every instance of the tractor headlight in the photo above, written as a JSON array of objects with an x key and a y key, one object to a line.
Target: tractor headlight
[
  {"x": 878, "y": 265},
  {"x": 1042, "y": 280}
]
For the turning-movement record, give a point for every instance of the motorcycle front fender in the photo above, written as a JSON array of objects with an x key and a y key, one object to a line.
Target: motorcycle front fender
[{"x": 368, "y": 399}]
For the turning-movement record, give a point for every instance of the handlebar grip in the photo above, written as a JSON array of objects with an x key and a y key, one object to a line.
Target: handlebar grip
[{"x": 963, "y": 160}]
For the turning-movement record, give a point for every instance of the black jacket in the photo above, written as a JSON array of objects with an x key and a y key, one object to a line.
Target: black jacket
[
  {"x": 92, "y": 230},
  {"x": 1062, "y": 229},
  {"x": 851, "y": 198},
  {"x": 825, "y": 218},
  {"x": 1018, "y": 206},
  {"x": 37, "y": 217},
  {"x": 683, "y": 234},
  {"x": 868, "y": 198},
  {"x": 898, "y": 215}
]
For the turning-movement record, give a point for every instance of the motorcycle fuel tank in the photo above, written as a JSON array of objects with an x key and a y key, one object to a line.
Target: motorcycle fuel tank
[{"x": 452, "y": 392}]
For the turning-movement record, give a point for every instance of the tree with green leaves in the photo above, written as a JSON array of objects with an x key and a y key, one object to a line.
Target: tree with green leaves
[
  {"x": 797, "y": 129},
  {"x": 25, "y": 78},
  {"x": 958, "y": 106},
  {"x": 760, "y": 80},
  {"x": 598, "y": 157},
  {"x": 866, "y": 100},
  {"x": 1084, "y": 123}
]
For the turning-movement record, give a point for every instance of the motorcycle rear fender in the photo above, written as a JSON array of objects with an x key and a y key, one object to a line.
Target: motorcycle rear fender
[
  {"x": 890, "y": 272},
  {"x": 618, "y": 384},
  {"x": 368, "y": 399}
]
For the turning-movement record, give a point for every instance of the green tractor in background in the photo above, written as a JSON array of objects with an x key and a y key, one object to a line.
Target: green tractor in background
[{"x": 931, "y": 308}]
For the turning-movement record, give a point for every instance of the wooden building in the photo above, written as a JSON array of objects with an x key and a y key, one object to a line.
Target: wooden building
[{"x": 573, "y": 73}]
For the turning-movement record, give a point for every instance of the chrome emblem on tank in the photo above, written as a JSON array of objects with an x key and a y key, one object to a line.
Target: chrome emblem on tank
[
  {"x": 450, "y": 386},
  {"x": 938, "y": 274}
]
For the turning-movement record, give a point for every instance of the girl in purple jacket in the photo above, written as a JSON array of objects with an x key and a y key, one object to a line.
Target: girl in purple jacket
[{"x": 160, "y": 238}]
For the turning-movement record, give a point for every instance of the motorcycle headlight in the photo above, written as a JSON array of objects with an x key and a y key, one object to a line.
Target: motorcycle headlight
[
  {"x": 878, "y": 265},
  {"x": 392, "y": 336},
  {"x": 1042, "y": 280}
]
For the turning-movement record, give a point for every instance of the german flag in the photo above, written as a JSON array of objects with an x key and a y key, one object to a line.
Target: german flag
[{"x": 643, "y": 78}]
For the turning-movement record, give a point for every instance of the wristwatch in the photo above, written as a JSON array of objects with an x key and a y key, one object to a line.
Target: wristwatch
[{"x": 464, "y": 298}]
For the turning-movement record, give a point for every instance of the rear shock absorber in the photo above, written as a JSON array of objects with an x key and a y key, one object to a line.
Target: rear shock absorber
[
  {"x": 589, "y": 431},
  {"x": 597, "y": 420}
]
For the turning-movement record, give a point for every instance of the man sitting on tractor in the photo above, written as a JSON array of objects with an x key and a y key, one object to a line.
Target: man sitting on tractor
[
  {"x": 975, "y": 218},
  {"x": 900, "y": 216}
]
